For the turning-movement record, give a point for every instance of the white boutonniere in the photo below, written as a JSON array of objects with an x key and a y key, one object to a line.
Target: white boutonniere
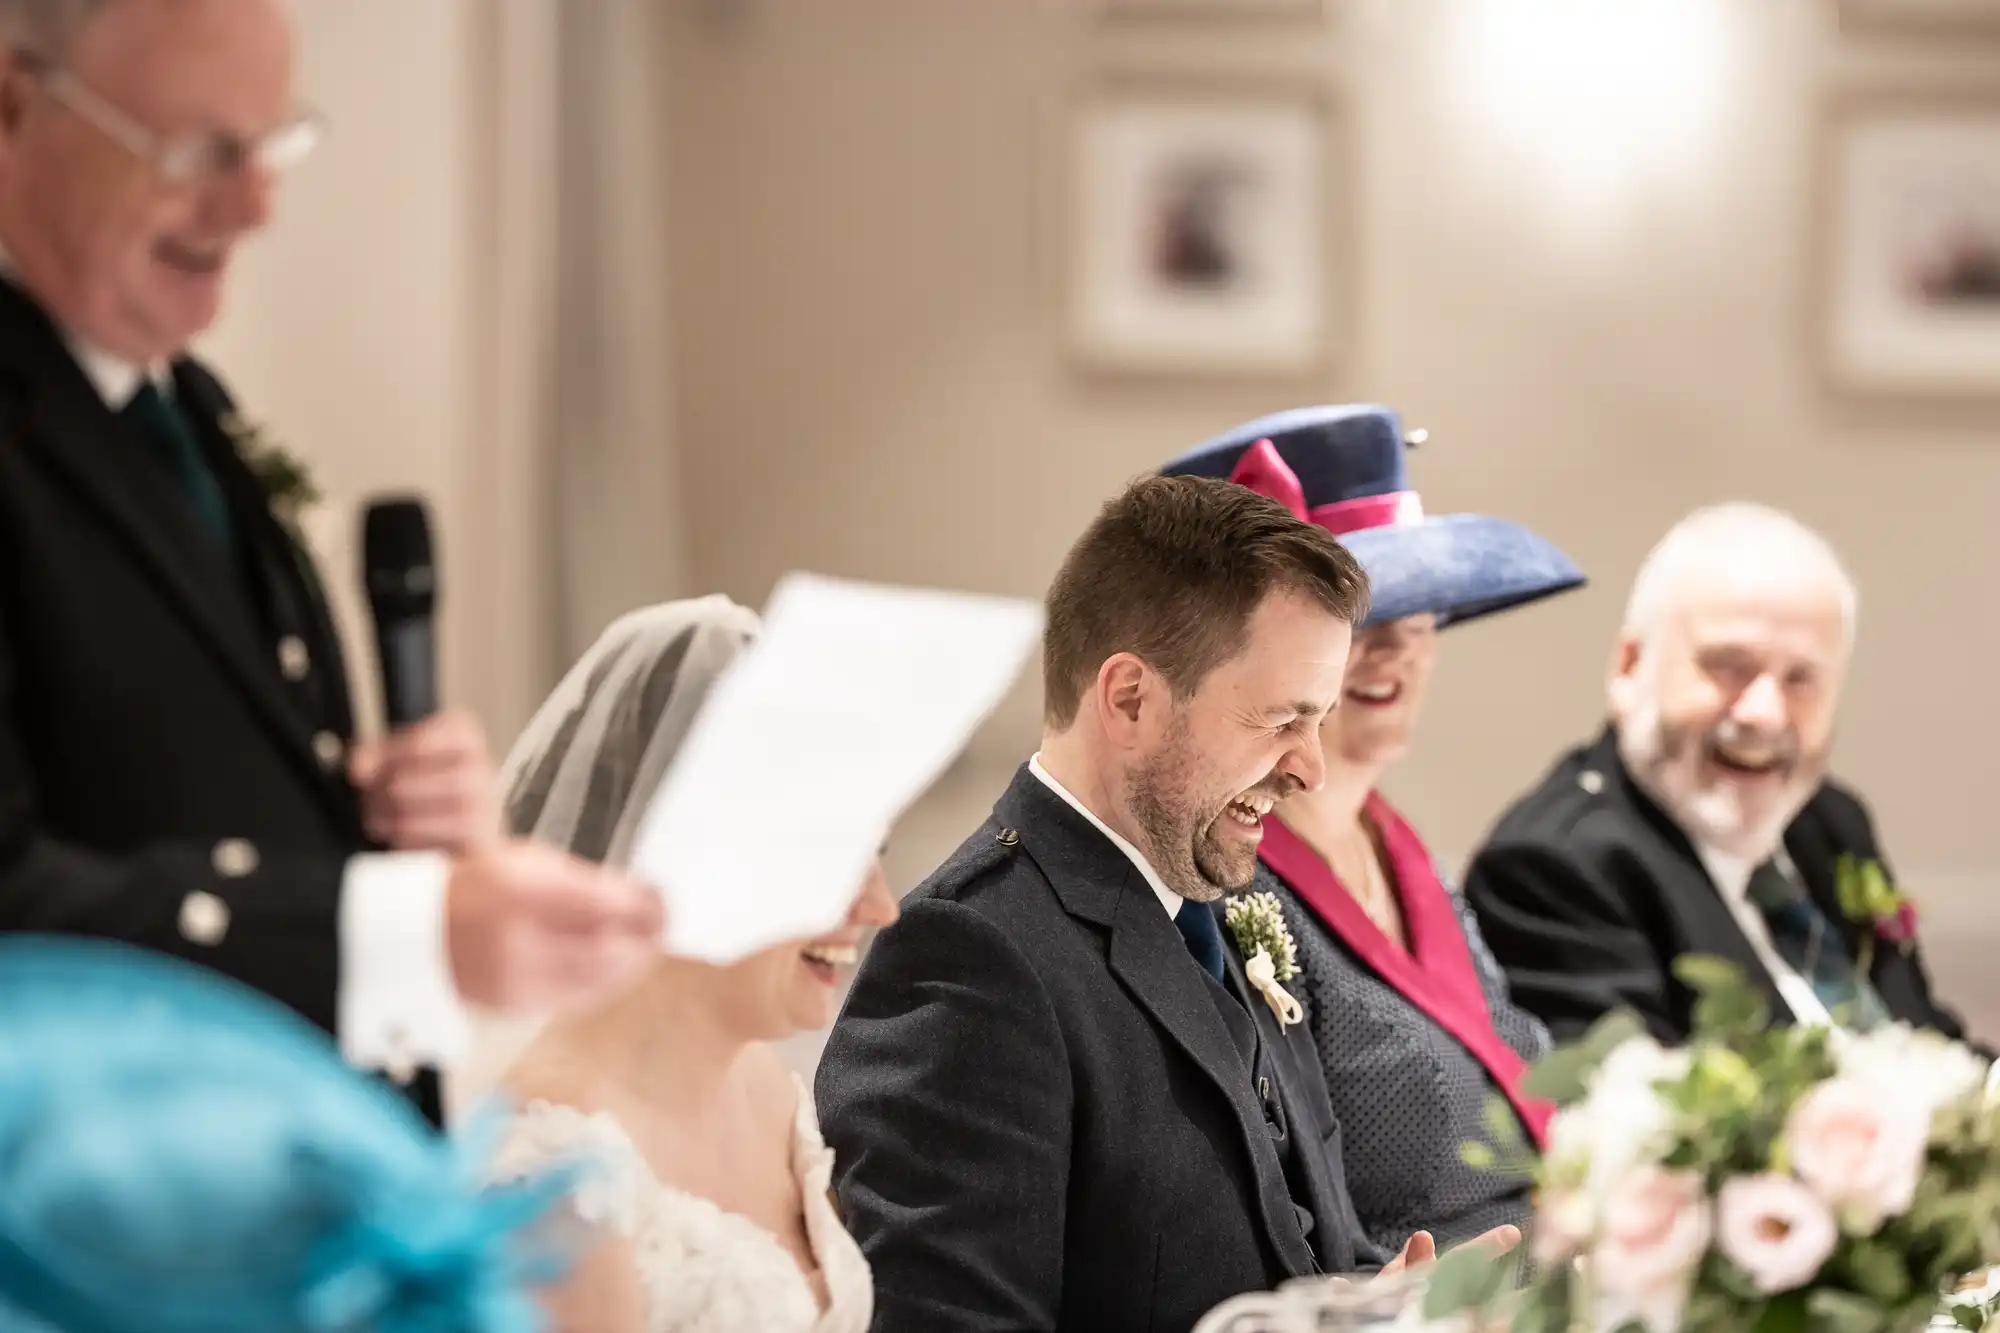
[
  {"x": 1269, "y": 956},
  {"x": 286, "y": 481}
]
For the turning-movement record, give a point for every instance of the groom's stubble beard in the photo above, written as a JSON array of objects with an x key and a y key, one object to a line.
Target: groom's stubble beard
[{"x": 1169, "y": 813}]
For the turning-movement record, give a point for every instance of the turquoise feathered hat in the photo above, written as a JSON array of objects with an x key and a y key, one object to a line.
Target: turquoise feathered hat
[{"x": 180, "y": 1154}]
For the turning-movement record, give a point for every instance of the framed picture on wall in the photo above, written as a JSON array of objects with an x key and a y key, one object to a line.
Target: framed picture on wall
[
  {"x": 1911, "y": 257},
  {"x": 1202, "y": 237},
  {"x": 1941, "y": 14}
]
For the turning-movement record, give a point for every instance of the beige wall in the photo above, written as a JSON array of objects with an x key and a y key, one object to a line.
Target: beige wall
[
  {"x": 347, "y": 325},
  {"x": 393, "y": 325},
  {"x": 869, "y": 375},
  {"x": 868, "y": 248}
]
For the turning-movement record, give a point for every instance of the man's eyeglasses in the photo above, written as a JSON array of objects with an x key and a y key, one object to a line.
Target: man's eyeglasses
[{"x": 187, "y": 158}]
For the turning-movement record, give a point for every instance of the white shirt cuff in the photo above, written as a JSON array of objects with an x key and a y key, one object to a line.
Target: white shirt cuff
[{"x": 398, "y": 1008}]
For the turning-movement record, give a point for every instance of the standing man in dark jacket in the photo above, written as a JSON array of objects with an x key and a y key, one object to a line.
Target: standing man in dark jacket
[{"x": 177, "y": 757}]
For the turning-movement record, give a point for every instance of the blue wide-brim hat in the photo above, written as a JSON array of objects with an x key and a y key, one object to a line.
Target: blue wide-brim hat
[
  {"x": 1345, "y": 469},
  {"x": 183, "y": 1155}
]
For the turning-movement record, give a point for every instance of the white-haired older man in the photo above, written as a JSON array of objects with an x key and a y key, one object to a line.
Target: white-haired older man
[
  {"x": 1702, "y": 820},
  {"x": 176, "y": 758}
]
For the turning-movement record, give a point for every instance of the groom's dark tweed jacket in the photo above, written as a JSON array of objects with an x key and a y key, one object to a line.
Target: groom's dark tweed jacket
[{"x": 1045, "y": 1115}]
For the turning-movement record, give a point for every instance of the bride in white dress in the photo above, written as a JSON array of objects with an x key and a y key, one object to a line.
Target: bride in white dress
[{"x": 707, "y": 1180}]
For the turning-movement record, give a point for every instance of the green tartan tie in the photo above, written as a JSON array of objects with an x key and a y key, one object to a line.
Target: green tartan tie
[
  {"x": 171, "y": 436},
  {"x": 1808, "y": 942}
]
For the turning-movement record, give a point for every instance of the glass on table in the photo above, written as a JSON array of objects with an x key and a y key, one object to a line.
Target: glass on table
[{"x": 1324, "y": 1305}]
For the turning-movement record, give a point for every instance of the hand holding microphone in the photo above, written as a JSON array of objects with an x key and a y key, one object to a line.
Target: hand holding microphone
[
  {"x": 528, "y": 928},
  {"x": 429, "y": 785}
]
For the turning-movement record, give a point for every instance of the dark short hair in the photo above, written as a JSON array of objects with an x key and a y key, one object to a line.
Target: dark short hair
[{"x": 1171, "y": 571}]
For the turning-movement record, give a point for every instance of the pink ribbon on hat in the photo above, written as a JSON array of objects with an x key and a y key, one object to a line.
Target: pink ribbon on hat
[{"x": 1263, "y": 471}]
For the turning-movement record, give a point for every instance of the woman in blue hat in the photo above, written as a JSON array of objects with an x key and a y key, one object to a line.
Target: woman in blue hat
[
  {"x": 180, "y": 1154},
  {"x": 1410, "y": 1013}
]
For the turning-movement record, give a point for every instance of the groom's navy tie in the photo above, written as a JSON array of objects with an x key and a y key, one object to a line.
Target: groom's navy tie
[{"x": 1203, "y": 936}]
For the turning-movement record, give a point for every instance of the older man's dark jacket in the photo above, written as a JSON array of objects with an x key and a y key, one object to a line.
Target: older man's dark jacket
[
  {"x": 174, "y": 714},
  {"x": 1587, "y": 892}
]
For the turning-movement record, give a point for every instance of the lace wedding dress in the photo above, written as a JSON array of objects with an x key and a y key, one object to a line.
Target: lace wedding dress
[{"x": 704, "y": 1270}]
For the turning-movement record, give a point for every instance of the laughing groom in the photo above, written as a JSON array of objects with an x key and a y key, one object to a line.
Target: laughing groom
[{"x": 1056, "y": 1097}]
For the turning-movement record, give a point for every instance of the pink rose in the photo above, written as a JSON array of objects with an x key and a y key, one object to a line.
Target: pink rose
[
  {"x": 1860, "y": 1148},
  {"x": 1653, "y": 1232},
  {"x": 1562, "y": 1226},
  {"x": 1774, "y": 1229},
  {"x": 1901, "y": 927}
]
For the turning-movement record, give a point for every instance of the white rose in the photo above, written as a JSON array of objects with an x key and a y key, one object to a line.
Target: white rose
[
  {"x": 1921, "y": 1065},
  {"x": 1860, "y": 1147},
  {"x": 1774, "y": 1229},
  {"x": 1619, "y": 1125},
  {"x": 1638, "y": 1064},
  {"x": 1624, "y": 1121}
]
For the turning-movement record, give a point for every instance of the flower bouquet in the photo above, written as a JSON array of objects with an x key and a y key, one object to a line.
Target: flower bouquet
[{"x": 1762, "y": 1179}]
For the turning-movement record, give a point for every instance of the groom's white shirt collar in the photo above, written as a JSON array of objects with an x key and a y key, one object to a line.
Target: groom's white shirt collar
[
  {"x": 1168, "y": 898},
  {"x": 115, "y": 378}
]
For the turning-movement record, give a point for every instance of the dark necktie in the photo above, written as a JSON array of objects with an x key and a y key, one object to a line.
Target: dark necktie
[
  {"x": 1807, "y": 941},
  {"x": 171, "y": 436},
  {"x": 1204, "y": 937}
]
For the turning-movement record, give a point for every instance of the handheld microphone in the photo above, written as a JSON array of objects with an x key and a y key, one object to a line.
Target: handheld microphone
[{"x": 401, "y": 578}]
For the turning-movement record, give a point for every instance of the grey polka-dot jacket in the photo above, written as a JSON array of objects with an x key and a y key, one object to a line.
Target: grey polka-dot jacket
[{"x": 1402, "y": 1036}]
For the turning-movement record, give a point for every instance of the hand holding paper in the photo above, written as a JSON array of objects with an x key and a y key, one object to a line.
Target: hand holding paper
[{"x": 855, "y": 697}]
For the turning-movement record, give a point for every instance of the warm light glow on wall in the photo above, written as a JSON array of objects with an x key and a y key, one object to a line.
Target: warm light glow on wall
[{"x": 1592, "y": 99}]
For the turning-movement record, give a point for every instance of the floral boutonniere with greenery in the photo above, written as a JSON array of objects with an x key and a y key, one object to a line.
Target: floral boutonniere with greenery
[
  {"x": 1868, "y": 897},
  {"x": 1270, "y": 958},
  {"x": 286, "y": 480}
]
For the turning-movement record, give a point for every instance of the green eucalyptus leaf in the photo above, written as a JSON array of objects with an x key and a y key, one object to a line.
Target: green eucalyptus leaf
[
  {"x": 1725, "y": 1001},
  {"x": 1878, "y": 1272},
  {"x": 1877, "y": 893},
  {"x": 1785, "y": 1314},
  {"x": 1969, "y": 1317},
  {"x": 1844, "y": 1312},
  {"x": 1544, "y": 1305},
  {"x": 1732, "y": 1011},
  {"x": 1610, "y": 1032},
  {"x": 1503, "y": 1124},
  {"x": 1463, "y": 1279},
  {"x": 1916, "y": 1313},
  {"x": 1536, "y": 1314},
  {"x": 1733, "y": 1281},
  {"x": 1848, "y": 887},
  {"x": 1707, "y": 1309},
  {"x": 1561, "y": 1077},
  {"x": 1706, "y": 974}
]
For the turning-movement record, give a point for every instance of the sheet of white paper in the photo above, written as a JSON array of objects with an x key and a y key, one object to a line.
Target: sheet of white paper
[{"x": 852, "y": 701}]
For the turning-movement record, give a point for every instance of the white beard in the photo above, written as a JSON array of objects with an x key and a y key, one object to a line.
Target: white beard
[{"x": 1716, "y": 816}]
